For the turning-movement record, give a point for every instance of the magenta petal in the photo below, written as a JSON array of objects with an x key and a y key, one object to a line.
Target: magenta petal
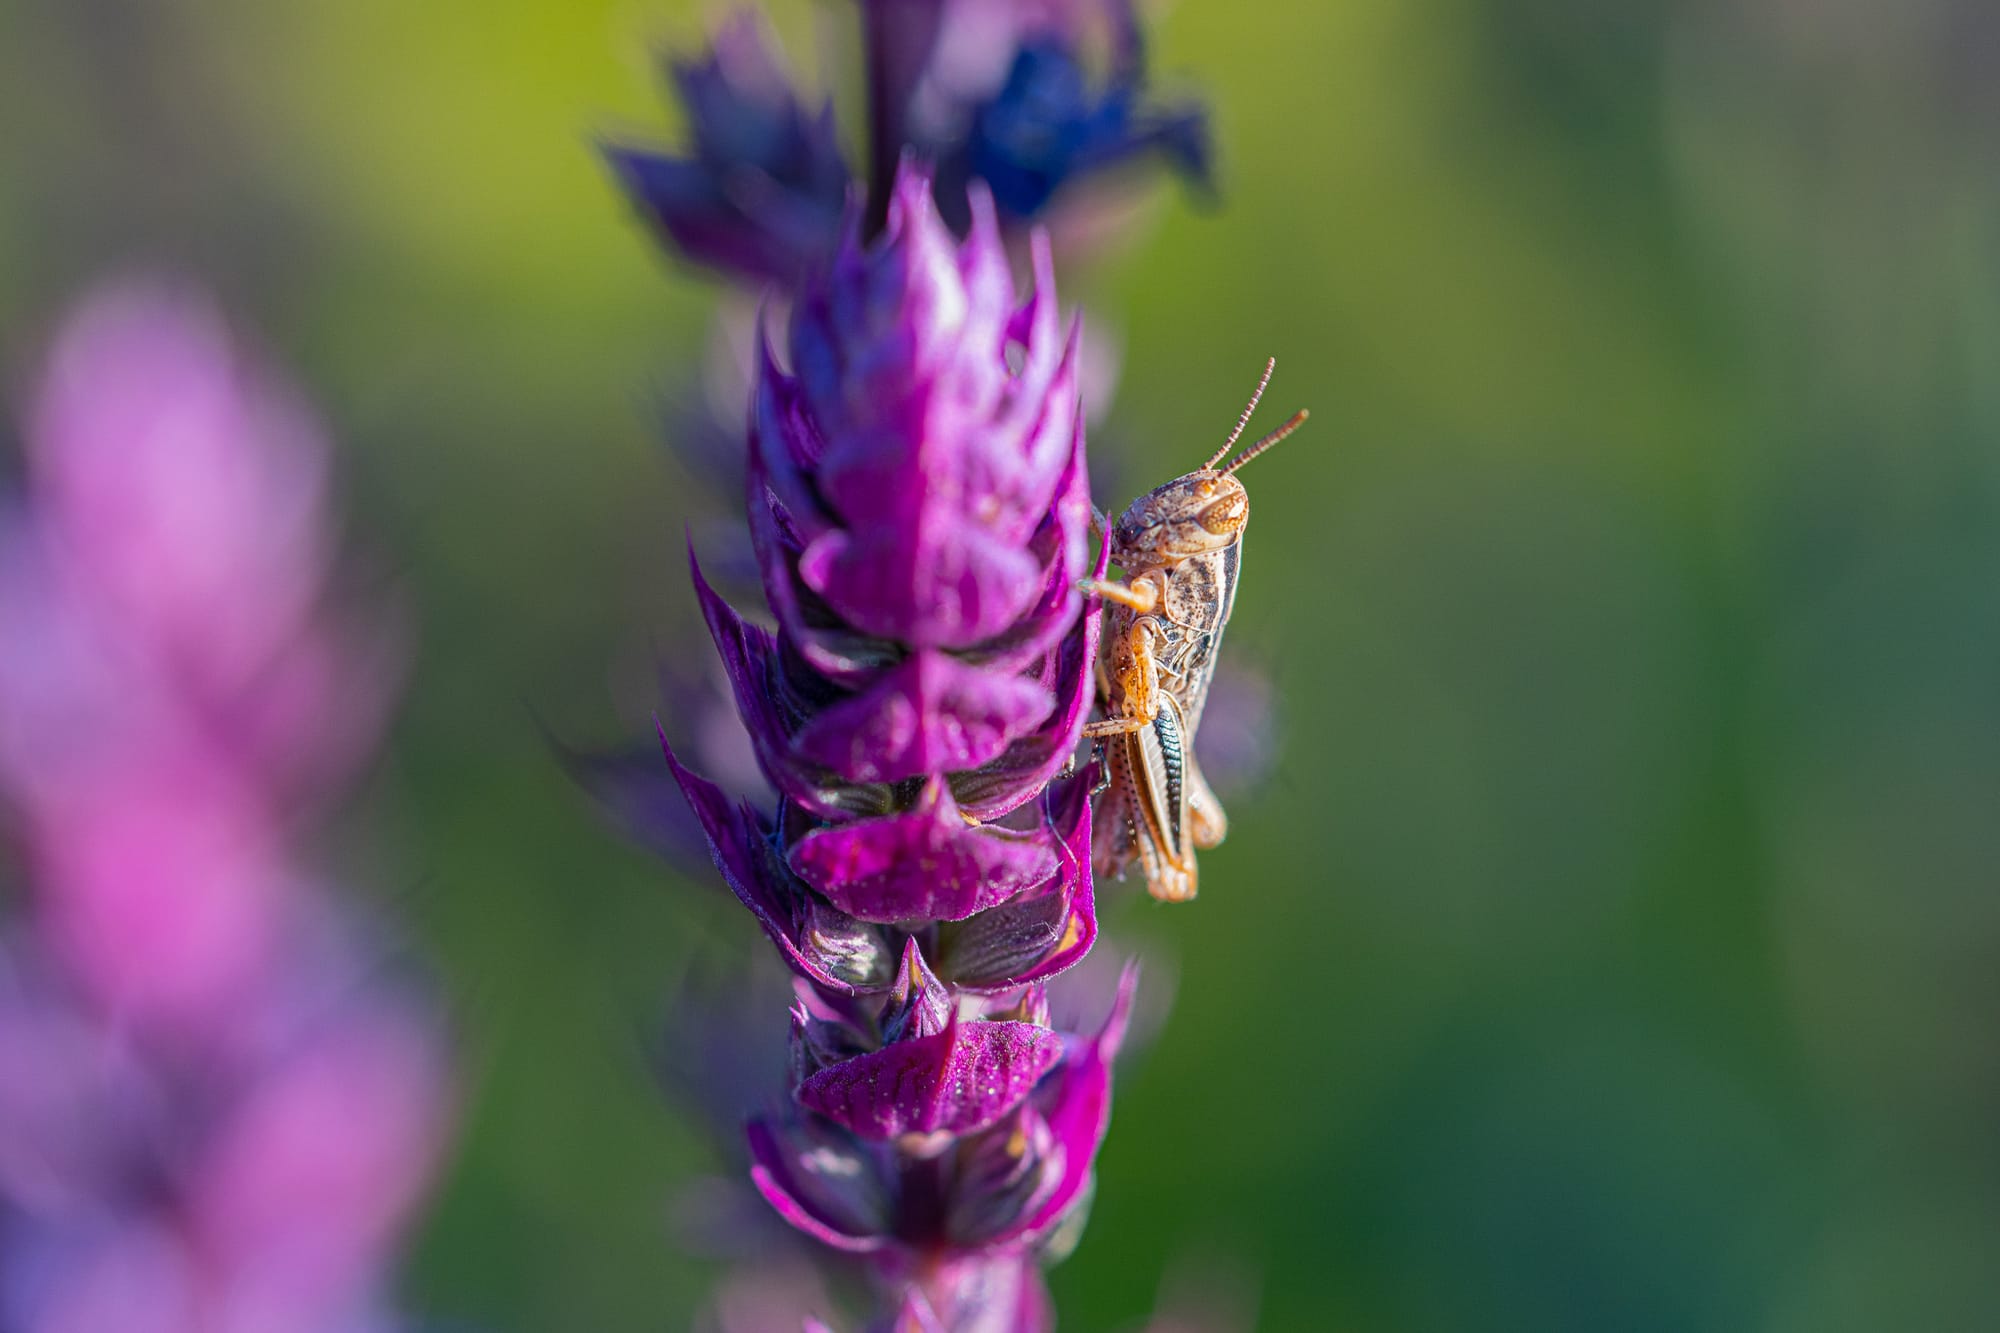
[
  {"x": 773, "y": 710},
  {"x": 1054, "y": 611},
  {"x": 843, "y": 955},
  {"x": 1079, "y": 1111},
  {"x": 913, "y": 311},
  {"x": 955, "y": 590},
  {"x": 835, "y": 650},
  {"x": 957, "y": 1081},
  {"x": 922, "y": 864},
  {"x": 784, "y": 445},
  {"x": 1031, "y": 762},
  {"x": 1021, "y": 459},
  {"x": 908, "y": 426},
  {"x": 1035, "y": 936},
  {"x": 1072, "y": 821},
  {"x": 1063, "y": 541},
  {"x": 825, "y": 1188},
  {"x": 930, "y": 714},
  {"x": 748, "y": 654}
]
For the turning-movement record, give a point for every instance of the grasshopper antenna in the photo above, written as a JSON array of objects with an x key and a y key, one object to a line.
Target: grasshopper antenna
[
  {"x": 1244, "y": 420},
  {"x": 1269, "y": 441}
]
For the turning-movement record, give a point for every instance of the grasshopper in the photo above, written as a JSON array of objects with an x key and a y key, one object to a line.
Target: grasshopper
[{"x": 1180, "y": 548}]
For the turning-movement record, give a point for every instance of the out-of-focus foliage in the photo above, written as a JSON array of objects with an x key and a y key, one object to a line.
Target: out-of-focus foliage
[{"x": 1614, "y": 945}]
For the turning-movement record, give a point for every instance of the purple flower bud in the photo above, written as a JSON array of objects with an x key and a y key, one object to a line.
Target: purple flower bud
[
  {"x": 169, "y": 684},
  {"x": 1058, "y": 1135},
  {"x": 1048, "y": 128},
  {"x": 1030, "y": 97},
  {"x": 918, "y": 1004},
  {"x": 760, "y": 193},
  {"x": 924, "y": 485},
  {"x": 924, "y": 863}
]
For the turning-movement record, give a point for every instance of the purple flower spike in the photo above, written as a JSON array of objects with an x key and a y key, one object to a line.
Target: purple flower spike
[
  {"x": 760, "y": 193},
  {"x": 213, "y": 1113},
  {"x": 920, "y": 510},
  {"x": 917, "y": 842}
]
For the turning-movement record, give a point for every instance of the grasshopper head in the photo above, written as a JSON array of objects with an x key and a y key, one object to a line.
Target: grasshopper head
[
  {"x": 1189, "y": 516},
  {"x": 1202, "y": 512}
]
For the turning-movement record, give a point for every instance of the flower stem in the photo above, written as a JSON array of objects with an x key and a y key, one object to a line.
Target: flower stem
[{"x": 896, "y": 40}]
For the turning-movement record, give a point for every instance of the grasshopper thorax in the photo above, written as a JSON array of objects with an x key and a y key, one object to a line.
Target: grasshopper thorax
[{"x": 1190, "y": 516}]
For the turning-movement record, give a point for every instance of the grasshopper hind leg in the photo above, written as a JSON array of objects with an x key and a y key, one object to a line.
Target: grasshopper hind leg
[
  {"x": 1207, "y": 824},
  {"x": 1158, "y": 761},
  {"x": 1169, "y": 878}
]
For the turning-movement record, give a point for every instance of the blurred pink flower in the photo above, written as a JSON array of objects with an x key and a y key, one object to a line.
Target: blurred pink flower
[
  {"x": 180, "y": 485},
  {"x": 213, "y": 1119},
  {"x": 169, "y": 684}
]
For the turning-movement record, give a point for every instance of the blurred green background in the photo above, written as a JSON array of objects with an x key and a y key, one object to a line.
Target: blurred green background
[{"x": 1617, "y": 945}]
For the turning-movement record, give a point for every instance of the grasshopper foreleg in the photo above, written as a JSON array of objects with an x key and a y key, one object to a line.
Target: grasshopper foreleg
[
  {"x": 1103, "y": 770},
  {"x": 1142, "y": 596},
  {"x": 1132, "y": 683}
]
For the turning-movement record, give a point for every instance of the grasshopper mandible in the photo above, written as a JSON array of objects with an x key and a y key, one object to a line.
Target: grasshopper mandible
[{"x": 1180, "y": 548}]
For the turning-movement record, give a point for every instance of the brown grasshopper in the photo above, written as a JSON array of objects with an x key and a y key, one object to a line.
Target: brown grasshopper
[{"x": 1180, "y": 548}]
